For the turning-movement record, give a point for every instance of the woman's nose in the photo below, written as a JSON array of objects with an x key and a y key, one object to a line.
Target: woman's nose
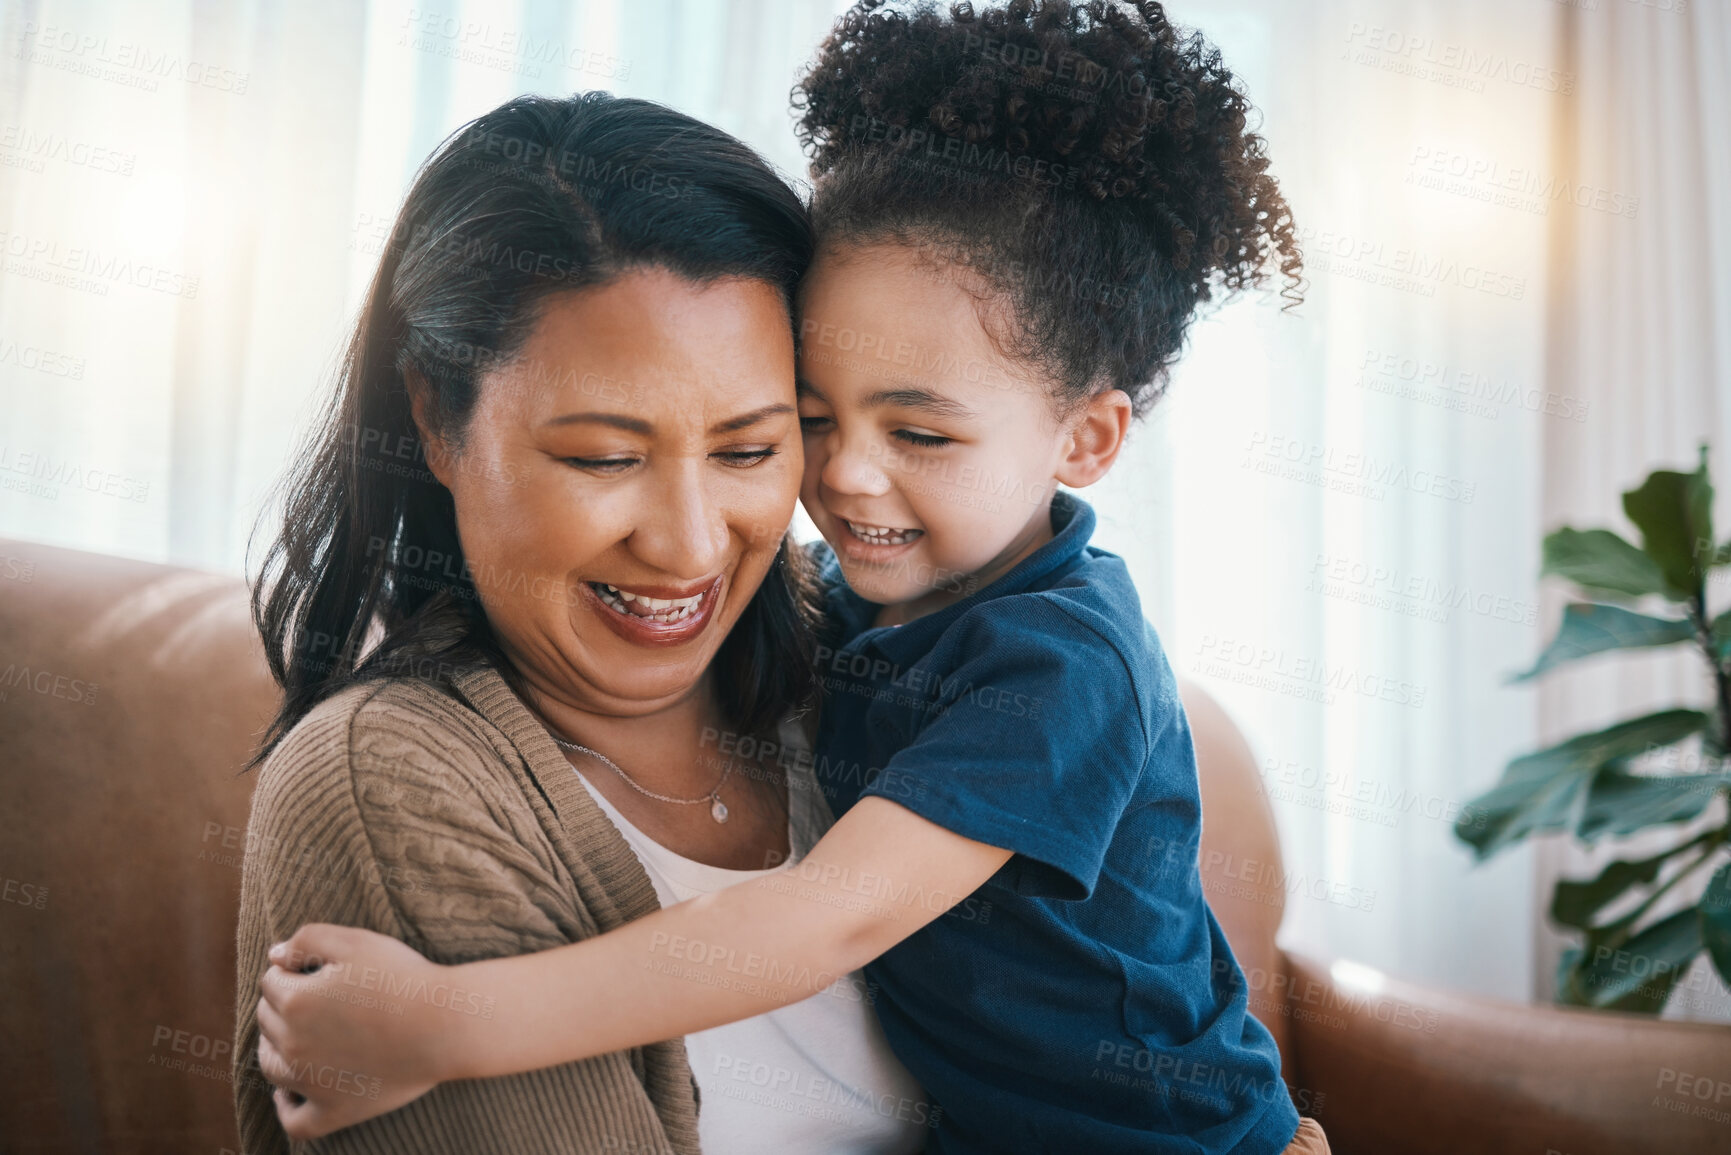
[{"x": 683, "y": 532}]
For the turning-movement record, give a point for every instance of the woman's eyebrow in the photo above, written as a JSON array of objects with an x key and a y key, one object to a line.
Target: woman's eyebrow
[
  {"x": 747, "y": 420},
  {"x": 913, "y": 397},
  {"x": 612, "y": 420},
  {"x": 638, "y": 425}
]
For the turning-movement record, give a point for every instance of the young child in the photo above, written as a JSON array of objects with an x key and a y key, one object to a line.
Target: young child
[{"x": 1019, "y": 212}]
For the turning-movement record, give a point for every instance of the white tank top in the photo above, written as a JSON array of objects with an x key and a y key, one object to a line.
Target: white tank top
[{"x": 816, "y": 1076}]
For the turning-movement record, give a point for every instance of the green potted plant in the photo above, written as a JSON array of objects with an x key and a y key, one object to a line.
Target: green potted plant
[{"x": 1657, "y": 770}]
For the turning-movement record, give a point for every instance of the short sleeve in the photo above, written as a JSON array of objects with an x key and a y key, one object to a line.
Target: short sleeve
[{"x": 1034, "y": 742}]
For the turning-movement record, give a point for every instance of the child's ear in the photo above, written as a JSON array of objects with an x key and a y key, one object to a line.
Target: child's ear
[
  {"x": 1095, "y": 435},
  {"x": 437, "y": 453}
]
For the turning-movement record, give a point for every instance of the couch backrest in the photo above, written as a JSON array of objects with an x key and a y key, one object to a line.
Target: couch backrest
[
  {"x": 130, "y": 695},
  {"x": 1240, "y": 856}
]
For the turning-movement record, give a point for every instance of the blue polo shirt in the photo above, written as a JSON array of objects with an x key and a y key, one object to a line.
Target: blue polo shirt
[{"x": 1084, "y": 998}]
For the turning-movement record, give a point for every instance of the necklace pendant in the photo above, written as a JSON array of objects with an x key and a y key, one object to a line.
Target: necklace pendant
[{"x": 718, "y": 810}]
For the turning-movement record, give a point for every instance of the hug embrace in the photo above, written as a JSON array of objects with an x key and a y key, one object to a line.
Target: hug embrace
[{"x": 602, "y": 815}]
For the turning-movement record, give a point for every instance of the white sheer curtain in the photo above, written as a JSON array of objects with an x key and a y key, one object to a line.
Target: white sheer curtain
[
  {"x": 1334, "y": 517},
  {"x": 192, "y": 196},
  {"x": 1641, "y": 327}
]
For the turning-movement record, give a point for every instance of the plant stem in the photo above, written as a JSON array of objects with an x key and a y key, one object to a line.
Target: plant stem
[
  {"x": 1721, "y": 675},
  {"x": 1713, "y": 839}
]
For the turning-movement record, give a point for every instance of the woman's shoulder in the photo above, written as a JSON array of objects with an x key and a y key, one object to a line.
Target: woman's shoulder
[{"x": 413, "y": 730}]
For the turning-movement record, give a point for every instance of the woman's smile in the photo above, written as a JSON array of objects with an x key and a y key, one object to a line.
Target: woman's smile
[{"x": 656, "y": 615}]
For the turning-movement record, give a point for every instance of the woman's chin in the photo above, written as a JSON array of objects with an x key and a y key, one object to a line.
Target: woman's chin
[{"x": 637, "y": 692}]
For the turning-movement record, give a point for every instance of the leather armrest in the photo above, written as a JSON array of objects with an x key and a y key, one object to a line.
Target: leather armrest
[{"x": 1396, "y": 1066}]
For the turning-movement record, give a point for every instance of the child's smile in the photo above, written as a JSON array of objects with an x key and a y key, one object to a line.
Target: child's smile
[{"x": 872, "y": 541}]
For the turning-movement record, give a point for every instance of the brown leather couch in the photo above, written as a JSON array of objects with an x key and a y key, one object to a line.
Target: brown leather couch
[{"x": 131, "y": 693}]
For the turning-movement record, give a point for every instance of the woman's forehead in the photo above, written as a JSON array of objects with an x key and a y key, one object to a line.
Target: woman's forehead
[{"x": 647, "y": 349}]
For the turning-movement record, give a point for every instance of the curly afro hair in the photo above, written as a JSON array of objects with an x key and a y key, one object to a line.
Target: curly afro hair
[{"x": 1088, "y": 162}]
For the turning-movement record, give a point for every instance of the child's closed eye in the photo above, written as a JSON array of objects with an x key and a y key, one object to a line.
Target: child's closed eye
[{"x": 922, "y": 440}]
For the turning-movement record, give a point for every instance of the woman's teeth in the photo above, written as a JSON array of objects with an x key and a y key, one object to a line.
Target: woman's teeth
[
  {"x": 879, "y": 535},
  {"x": 663, "y": 610}
]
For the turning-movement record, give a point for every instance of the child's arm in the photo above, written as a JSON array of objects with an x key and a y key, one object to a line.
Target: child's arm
[{"x": 881, "y": 873}]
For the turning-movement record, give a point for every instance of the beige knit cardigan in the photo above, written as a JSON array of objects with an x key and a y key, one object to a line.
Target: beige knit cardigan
[{"x": 452, "y": 822}]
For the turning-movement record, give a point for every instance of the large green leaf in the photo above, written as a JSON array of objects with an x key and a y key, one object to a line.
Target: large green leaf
[
  {"x": 1589, "y": 628},
  {"x": 1515, "y": 808},
  {"x": 1674, "y": 512},
  {"x": 1567, "y": 965},
  {"x": 1538, "y": 791},
  {"x": 1716, "y": 920},
  {"x": 1638, "y": 976},
  {"x": 1622, "y": 803},
  {"x": 1600, "y": 561},
  {"x": 1575, "y": 902}
]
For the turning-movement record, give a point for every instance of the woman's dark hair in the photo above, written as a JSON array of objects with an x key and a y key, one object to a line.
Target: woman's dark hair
[
  {"x": 1091, "y": 165},
  {"x": 538, "y": 197}
]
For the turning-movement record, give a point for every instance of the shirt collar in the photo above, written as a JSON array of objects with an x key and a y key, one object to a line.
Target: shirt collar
[{"x": 1072, "y": 527}]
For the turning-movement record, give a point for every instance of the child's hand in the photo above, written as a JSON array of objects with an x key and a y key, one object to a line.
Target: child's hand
[{"x": 351, "y": 1026}]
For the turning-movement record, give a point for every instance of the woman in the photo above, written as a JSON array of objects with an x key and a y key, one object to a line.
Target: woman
[{"x": 531, "y": 600}]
